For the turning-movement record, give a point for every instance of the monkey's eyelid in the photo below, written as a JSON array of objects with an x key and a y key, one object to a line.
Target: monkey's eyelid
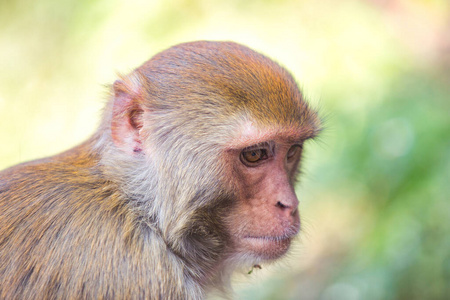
[{"x": 268, "y": 146}]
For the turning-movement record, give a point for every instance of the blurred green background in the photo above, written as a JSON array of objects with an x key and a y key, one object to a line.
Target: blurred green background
[{"x": 375, "y": 194}]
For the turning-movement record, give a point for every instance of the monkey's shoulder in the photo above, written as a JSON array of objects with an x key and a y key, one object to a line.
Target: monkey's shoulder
[
  {"x": 48, "y": 173},
  {"x": 66, "y": 184},
  {"x": 63, "y": 198}
]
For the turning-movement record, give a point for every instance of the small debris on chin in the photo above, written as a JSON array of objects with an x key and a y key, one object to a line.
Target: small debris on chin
[{"x": 254, "y": 267}]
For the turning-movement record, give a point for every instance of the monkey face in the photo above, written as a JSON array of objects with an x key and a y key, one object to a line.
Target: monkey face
[{"x": 265, "y": 216}]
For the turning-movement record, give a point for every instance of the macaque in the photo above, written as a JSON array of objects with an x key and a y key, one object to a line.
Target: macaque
[{"x": 189, "y": 177}]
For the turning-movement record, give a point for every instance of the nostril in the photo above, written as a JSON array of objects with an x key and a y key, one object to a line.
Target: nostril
[{"x": 281, "y": 205}]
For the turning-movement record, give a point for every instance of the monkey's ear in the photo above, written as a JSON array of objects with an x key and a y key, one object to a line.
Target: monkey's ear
[{"x": 127, "y": 116}]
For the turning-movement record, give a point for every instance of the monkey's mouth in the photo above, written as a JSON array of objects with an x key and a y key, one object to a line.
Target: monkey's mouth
[
  {"x": 268, "y": 238},
  {"x": 267, "y": 247}
]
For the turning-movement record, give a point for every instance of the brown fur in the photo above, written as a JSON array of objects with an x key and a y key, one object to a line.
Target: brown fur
[{"x": 156, "y": 204}]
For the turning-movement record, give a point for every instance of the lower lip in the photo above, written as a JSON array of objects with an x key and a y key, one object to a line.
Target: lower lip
[
  {"x": 267, "y": 241},
  {"x": 267, "y": 247}
]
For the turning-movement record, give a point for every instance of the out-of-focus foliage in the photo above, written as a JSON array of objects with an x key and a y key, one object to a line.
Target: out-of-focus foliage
[{"x": 375, "y": 196}]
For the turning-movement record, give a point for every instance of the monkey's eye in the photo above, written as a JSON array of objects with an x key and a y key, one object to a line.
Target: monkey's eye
[
  {"x": 253, "y": 156},
  {"x": 293, "y": 151}
]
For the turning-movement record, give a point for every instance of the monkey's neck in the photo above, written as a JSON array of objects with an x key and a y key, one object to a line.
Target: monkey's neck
[{"x": 186, "y": 230}]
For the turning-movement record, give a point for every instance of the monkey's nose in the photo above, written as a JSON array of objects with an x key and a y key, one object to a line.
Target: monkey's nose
[{"x": 288, "y": 207}]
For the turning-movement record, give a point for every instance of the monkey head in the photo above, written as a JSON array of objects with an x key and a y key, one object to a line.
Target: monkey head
[{"x": 217, "y": 131}]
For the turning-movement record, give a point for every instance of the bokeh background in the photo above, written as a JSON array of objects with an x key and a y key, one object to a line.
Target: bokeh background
[{"x": 375, "y": 195}]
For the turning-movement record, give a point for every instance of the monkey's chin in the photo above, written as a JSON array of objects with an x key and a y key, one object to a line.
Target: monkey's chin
[{"x": 266, "y": 247}]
